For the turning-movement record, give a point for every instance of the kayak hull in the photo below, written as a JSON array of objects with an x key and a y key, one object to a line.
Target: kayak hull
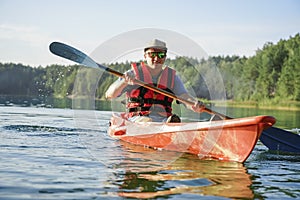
[{"x": 228, "y": 140}]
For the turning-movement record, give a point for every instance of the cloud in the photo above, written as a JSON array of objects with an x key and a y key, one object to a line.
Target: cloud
[{"x": 28, "y": 34}]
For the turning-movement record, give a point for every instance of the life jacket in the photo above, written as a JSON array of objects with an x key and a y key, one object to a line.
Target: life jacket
[{"x": 141, "y": 101}]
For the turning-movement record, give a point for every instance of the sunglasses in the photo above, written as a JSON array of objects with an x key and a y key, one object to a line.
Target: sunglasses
[{"x": 160, "y": 55}]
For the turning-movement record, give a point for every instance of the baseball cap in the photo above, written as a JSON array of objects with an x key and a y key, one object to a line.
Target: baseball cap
[{"x": 156, "y": 44}]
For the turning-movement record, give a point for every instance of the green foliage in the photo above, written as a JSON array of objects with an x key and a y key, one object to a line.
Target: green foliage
[
  {"x": 19, "y": 79},
  {"x": 272, "y": 75}
]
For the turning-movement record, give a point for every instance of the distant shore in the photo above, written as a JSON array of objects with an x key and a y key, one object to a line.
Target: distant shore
[{"x": 287, "y": 105}]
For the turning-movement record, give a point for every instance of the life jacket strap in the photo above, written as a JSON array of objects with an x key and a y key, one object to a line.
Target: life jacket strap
[
  {"x": 150, "y": 109},
  {"x": 142, "y": 101}
]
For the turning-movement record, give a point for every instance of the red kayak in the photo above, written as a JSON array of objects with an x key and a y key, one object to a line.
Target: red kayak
[{"x": 228, "y": 140}]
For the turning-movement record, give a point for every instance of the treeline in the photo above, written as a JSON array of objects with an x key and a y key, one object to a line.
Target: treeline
[{"x": 272, "y": 74}]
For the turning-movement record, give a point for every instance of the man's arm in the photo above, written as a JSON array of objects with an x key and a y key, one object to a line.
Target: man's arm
[
  {"x": 180, "y": 91},
  {"x": 119, "y": 85},
  {"x": 115, "y": 89}
]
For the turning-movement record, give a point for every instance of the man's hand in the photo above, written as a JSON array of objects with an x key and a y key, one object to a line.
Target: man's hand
[
  {"x": 198, "y": 106},
  {"x": 129, "y": 77}
]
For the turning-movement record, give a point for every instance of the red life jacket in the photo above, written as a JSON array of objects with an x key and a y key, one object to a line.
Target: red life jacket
[{"x": 142, "y": 101}]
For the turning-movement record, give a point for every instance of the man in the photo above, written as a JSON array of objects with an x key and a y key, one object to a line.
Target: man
[{"x": 143, "y": 102}]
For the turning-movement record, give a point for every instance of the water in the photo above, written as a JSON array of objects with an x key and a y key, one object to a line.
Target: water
[{"x": 66, "y": 154}]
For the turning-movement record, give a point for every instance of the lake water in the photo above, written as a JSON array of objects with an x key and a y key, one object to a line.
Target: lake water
[{"x": 49, "y": 153}]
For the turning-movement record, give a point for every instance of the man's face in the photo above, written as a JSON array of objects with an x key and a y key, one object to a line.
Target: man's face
[{"x": 155, "y": 57}]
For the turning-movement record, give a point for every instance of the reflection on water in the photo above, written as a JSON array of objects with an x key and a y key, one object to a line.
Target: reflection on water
[
  {"x": 276, "y": 175},
  {"x": 148, "y": 175}
]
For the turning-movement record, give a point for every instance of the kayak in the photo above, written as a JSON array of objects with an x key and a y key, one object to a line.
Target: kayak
[{"x": 227, "y": 140}]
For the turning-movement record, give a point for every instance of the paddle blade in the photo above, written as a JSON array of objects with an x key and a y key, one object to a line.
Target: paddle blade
[
  {"x": 70, "y": 53},
  {"x": 280, "y": 140}
]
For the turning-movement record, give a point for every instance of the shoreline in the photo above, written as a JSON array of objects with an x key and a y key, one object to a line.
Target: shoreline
[
  {"x": 270, "y": 105},
  {"x": 289, "y": 105}
]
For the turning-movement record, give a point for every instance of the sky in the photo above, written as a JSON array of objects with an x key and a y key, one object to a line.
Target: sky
[{"x": 219, "y": 27}]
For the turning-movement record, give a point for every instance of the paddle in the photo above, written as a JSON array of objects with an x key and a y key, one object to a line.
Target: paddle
[{"x": 77, "y": 56}]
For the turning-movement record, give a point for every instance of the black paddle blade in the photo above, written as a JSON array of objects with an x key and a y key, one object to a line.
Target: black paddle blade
[
  {"x": 280, "y": 140},
  {"x": 70, "y": 53}
]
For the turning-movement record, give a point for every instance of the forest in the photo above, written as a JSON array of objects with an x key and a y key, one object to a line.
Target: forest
[{"x": 272, "y": 74}]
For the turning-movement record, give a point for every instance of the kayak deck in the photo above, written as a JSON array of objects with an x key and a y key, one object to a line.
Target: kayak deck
[{"x": 228, "y": 140}]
